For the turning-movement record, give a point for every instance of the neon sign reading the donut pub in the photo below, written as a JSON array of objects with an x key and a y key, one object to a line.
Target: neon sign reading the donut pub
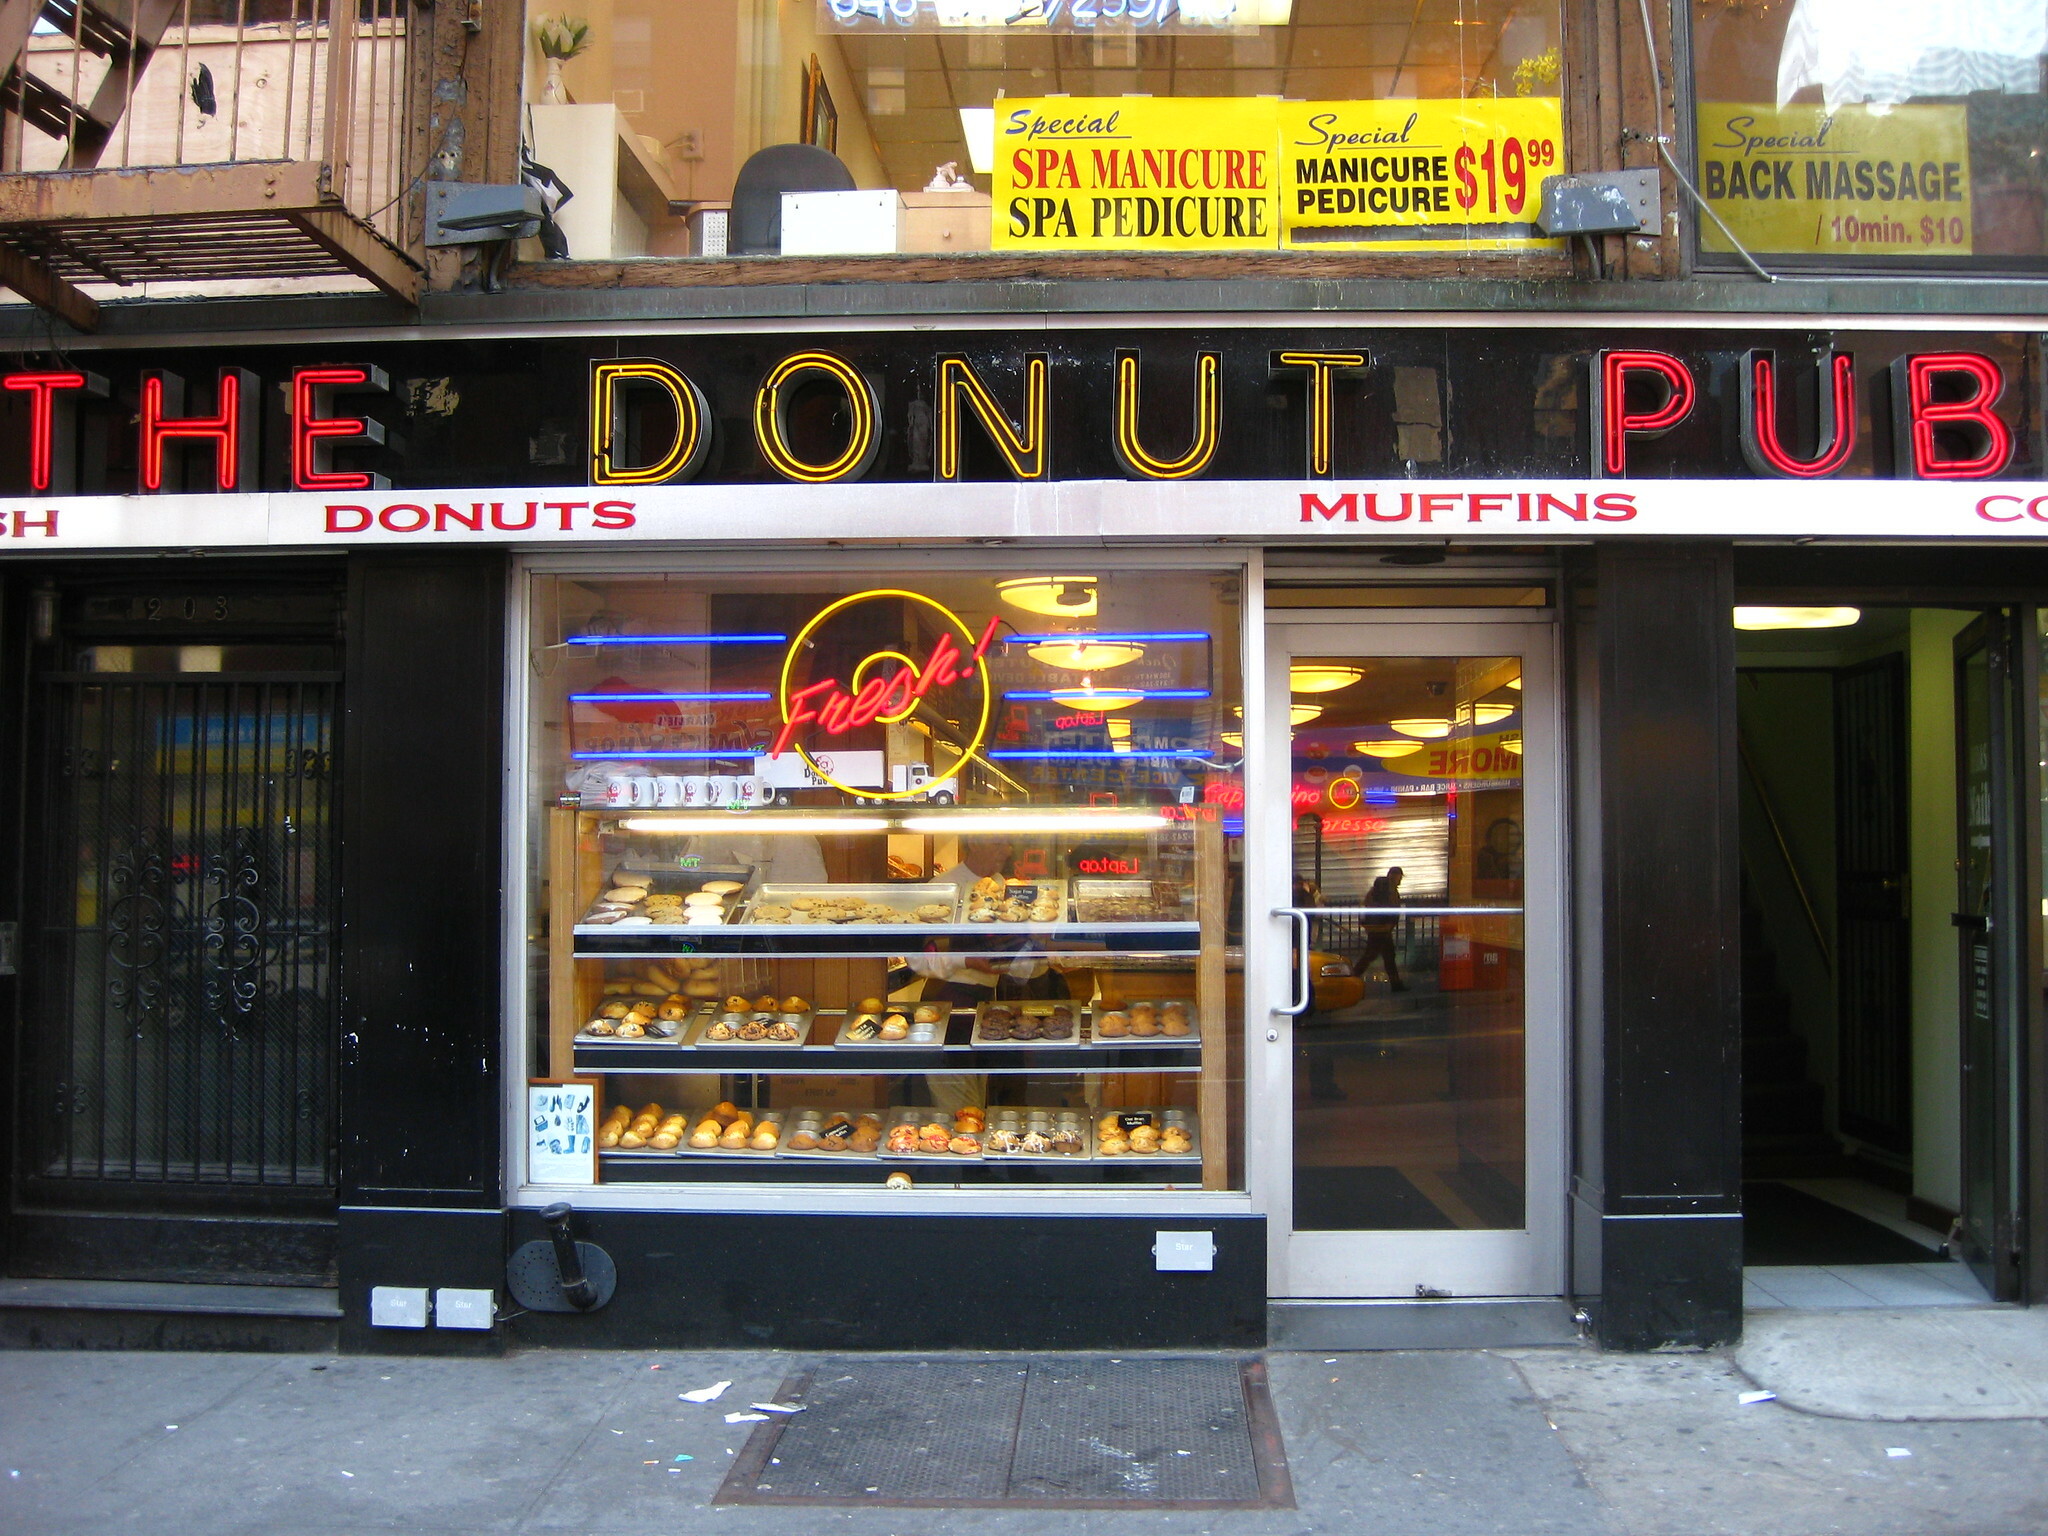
[{"x": 886, "y": 688}]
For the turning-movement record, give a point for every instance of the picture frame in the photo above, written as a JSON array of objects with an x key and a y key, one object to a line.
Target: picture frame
[{"x": 820, "y": 117}]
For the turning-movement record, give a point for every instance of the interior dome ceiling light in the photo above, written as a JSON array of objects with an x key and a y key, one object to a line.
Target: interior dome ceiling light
[
  {"x": 1515, "y": 683},
  {"x": 1087, "y": 696},
  {"x": 1428, "y": 730},
  {"x": 1086, "y": 655},
  {"x": 1796, "y": 618},
  {"x": 1491, "y": 714},
  {"x": 1386, "y": 748},
  {"x": 1236, "y": 739},
  {"x": 1297, "y": 714},
  {"x": 1321, "y": 677},
  {"x": 1072, "y": 597}
]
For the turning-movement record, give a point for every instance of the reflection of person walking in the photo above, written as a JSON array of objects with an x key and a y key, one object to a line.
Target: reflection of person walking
[{"x": 1379, "y": 930}]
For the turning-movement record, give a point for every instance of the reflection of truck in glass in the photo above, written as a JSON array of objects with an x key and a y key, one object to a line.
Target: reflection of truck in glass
[{"x": 914, "y": 781}]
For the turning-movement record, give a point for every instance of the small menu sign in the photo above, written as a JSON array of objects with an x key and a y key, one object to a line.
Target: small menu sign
[{"x": 561, "y": 1133}]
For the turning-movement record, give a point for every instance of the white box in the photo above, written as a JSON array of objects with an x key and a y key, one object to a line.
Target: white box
[
  {"x": 398, "y": 1306},
  {"x": 1184, "y": 1250},
  {"x": 458, "y": 1308},
  {"x": 840, "y": 223}
]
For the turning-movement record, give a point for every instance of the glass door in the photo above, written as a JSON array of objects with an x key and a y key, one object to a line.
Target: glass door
[
  {"x": 1412, "y": 1059},
  {"x": 1988, "y": 921}
]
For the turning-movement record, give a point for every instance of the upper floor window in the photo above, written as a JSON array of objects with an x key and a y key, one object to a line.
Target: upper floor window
[
  {"x": 842, "y": 127},
  {"x": 1874, "y": 132}
]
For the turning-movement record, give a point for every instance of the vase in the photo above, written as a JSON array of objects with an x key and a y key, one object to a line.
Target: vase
[{"x": 552, "y": 93}]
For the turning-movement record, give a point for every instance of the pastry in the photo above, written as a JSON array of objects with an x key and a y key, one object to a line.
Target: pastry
[
  {"x": 969, "y": 1120},
  {"x": 1174, "y": 1139},
  {"x": 929, "y": 1013},
  {"x": 1000, "y": 1141},
  {"x": 765, "y": 1003},
  {"x": 992, "y": 1028},
  {"x": 785, "y": 1030},
  {"x": 964, "y": 1145},
  {"x": 1112, "y": 1025},
  {"x": 753, "y": 1029},
  {"x": 765, "y": 1136},
  {"x": 601, "y": 1027},
  {"x": 1144, "y": 1014},
  {"x": 673, "y": 1010},
  {"x": 632, "y": 1029},
  {"x": 934, "y": 1138},
  {"x": 903, "y": 1139},
  {"x": 989, "y": 886},
  {"x": 771, "y": 912},
  {"x": 862, "y": 1029},
  {"x": 704, "y": 1136},
  {"x": 719, "y": 1030},
  {"x": 932, "y": 912},
  {"x": 802, "y": 1141},
  {"x": 1144, "y": 1138},
  {"x": 870, "y": 1005},
  {"x": 1068, "y": 1142},
  {"x": 1171, "y": 1023},
  {"x": 701, "y": 987},
  {"x": 616, "y": 1010},
  {"x": 898, "y": 1180},
  {"x": 1112, "y": 1146},
  {"x": 1168, "y": 1012},
  {"x": 635, "y": 922},
  {"x": 724, "y": 1109},
  {"x": 703, "y": 899},
  {"x": 866, "y": 1138},
  {"x": 735, "y": 1004},
  {"x": 722, "y": 887},
  {"x": 893, "y": 1028},
  {"x": 795, "y": 1004},
  {"x": 627, "y": 894}
]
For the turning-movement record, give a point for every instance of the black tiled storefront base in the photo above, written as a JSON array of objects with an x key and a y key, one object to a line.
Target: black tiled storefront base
[{"x": 910, "y": 1282}]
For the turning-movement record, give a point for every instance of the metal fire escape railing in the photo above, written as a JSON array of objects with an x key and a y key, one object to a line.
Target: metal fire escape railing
[{"x": 193, "y": 140}]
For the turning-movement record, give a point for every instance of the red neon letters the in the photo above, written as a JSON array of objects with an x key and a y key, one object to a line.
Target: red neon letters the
[
  {"x": 1916, "y": 415},
  {"x": 309, "y": 430},
  {"x": 1612, "y": 421},
  {"x": 1837, "y": 440},
  {"x": 224, "y": 429},
  {"x": 41, "y": 389}
]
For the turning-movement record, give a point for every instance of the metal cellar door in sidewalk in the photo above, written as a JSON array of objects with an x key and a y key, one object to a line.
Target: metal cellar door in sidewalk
[
  {"x": 177, "y": 1033},
  {"x": 1407, "y": 1044}
]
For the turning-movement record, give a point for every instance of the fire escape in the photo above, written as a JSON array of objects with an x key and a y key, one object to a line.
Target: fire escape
[{"x": 211, "y": 142}]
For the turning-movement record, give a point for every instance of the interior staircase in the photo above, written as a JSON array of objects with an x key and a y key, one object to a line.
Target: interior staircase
[{"x": 1784, "y": 1128}]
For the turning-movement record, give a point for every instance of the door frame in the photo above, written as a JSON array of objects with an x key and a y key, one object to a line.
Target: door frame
[{"x": 1394, "y": 1265}]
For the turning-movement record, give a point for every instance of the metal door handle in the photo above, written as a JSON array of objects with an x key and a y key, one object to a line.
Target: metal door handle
[{"x": 1302, "y": 993}]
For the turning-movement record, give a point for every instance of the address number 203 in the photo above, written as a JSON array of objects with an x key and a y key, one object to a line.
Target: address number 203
[{"x": 1504, "y": 166}]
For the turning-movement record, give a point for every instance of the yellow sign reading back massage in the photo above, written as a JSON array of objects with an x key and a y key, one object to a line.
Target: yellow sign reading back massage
[
  {"x": 1807, "y": 181},
  {"x": 1417, "y": 175},
  {"x": 1134, "y": 173}
]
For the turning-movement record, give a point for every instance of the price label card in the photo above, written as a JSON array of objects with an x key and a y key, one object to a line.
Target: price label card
[
  {"x": 561, "y": 1133},
  {"x": 1417, "y": 175}
]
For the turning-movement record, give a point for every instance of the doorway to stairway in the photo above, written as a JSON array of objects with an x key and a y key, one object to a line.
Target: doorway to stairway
[{"x": 1881, "y": 773}]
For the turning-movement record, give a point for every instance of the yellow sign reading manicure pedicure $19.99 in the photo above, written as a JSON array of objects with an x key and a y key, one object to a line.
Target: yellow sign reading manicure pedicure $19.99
[{"x": 1136, "y": 173}]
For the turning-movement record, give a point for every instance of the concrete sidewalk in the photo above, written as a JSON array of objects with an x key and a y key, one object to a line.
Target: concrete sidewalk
[{"x": 1448, "y": 1443}]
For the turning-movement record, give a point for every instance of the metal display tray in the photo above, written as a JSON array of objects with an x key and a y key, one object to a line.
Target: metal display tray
[
  {"x": 1094, "y": 890},
  {"x": 1000, "y": 1119},
  {"x": 1143, "y": 1042},
  {"x": 817, "y": 1117},
  {"x": 914, "y": 1114},
  {"x": 1015, "y": 891},
  {"x": 1184, "y": 1118},
  {"x": 903, "y": 898},
  {"x": 668, "y": 881},
  {"x": 697, "y": 1040},
  {"x": 1077, "y": 1038},
  {"x": 729, "y": 1154},
  {"x": 684, "y": 1027},
  {"x": 912, "y": 1041}
]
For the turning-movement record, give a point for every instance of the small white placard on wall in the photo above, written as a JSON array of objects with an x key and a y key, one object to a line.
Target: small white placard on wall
[
  {"x": 1184, "y": 1250},
  {"x": 561, "y": 1133}
]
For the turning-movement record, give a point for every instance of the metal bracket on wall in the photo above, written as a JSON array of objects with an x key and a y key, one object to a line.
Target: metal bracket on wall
[{"x": 559, "y": 1274}]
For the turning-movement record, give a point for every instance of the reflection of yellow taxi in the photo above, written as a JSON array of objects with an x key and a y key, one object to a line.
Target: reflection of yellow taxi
[{"x": 1331, "y": 985}]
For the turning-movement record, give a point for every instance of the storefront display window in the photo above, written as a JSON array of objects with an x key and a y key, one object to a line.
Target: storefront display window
[
  {"x": 846, "y": 127},
  {"x": 1859, "y": 131},
  {"x": 849, "y": 882}
]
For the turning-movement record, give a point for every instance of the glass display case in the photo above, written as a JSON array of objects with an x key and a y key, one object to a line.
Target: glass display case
[{"x": 866, "y": 886}]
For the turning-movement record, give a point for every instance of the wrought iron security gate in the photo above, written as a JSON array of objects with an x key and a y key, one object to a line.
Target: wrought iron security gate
[{"x": 181, "y": 1034}]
